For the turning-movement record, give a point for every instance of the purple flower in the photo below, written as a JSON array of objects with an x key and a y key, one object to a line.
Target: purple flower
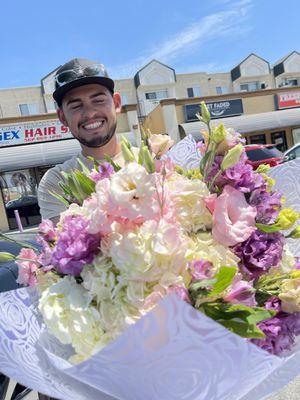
[
  {"x": 201, "y": 269},
  {"x": 267, "y": 204},
  {"x": 75, "y": 247},
  {"x": 47, "y": 230},
  {"x": 280, "y": 330},
  {"x": 259, "y": 252},
  {"x": 241, "y": 176},
  {"x": 241, "y": 292},
  {"x": 105, "y": 170}
]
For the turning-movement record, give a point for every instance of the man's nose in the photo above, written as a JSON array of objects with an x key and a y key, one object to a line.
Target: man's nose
[{"x": 89, "y": 111}]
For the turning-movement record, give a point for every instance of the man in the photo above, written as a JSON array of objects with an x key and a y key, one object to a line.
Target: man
[{"x": 88, "y": 106}]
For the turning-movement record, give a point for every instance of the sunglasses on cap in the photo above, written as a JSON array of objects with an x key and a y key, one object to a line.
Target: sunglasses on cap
[{"x": 67, "y": 76}]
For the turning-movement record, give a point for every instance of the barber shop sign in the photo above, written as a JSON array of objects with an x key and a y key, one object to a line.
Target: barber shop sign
[
  {"x": 32, "y": 132},
  {"x": 217, "y": 109}
]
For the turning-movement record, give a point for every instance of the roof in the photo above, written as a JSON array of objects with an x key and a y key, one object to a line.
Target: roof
[
  {"x": 136, "y": 77},
  {"x": 251, "y": 54},
  {"x": 285, "y": 57},
  {"x": 248, "y": 123}
]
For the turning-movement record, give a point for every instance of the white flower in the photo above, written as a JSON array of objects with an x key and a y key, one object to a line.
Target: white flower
[
  {"x": 130, "y": 183},
  {"x": 205, "y": 248},
  {"x": 190, "y": 209},
  {"x": 149, "y": 251},
  {"x": 68, "y": 313},
  {"x": 290, "y": 295}
]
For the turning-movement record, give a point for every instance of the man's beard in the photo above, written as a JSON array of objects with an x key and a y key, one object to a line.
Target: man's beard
[{"x": 99, "y": 141}]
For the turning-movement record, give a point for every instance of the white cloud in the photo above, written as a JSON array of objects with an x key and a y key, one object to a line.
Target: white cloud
[{"x": 219, "y": 26}]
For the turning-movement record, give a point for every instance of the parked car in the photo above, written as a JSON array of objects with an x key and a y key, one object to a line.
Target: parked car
[
  {"x": 263, "y": 154},
  {"x": 292, "y": 153}
]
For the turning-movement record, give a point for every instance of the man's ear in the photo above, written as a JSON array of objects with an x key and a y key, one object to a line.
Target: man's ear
[
  {"x": 61, "y": 116},
  {"x": 117, "y": 101}
]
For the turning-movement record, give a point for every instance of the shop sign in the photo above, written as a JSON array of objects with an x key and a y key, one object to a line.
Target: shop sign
[
  {"x": 287, "y": 100},
  {"x": 217, "y": 109},
  {"x": 32, "y": 132}
]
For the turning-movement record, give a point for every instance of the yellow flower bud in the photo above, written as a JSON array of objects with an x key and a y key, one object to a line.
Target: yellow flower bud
[
  {"x": 205, "y": 114},
  {"x": 263, "y": 168},
  {"x": 148, "y": 160},
  {"x": 5, "y": 257},
  {"x": 127, "y": 153},
  {"x": 295, "y": 234},
  {"x": 286, "y": 218},
  {"x": 232, "y": 157},
  {"x": 218, "y": 134}
]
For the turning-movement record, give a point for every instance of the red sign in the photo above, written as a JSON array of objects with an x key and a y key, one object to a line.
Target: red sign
[{"x": 288, "y": 100}]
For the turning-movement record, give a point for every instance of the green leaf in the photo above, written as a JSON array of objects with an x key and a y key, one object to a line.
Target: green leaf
[
  {"x": 85, "y": 169},
  {"x": 243, "y": 329},
  {"x": 239, "y": 318},
  {"x": 4, "y": 257},
  {"x": 86, "y": 183},
  {"x": 268, "y": 228},
  {"x": 223, "y": 279},
  {"x": 60, "y": 198},
  {"x": 115, "y": 166},
  {"x": 203, "y": 161}
]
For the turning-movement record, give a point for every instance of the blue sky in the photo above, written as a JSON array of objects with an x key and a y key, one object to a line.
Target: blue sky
[{"x": 188, "y": 35}]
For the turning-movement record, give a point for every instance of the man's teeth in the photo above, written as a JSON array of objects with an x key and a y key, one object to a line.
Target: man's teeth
[{"x": 94, "y": 125}]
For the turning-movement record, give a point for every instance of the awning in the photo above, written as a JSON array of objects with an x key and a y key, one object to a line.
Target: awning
[
  {"x": 48, "y": 153},
  {"x": 247, "y": 123}
]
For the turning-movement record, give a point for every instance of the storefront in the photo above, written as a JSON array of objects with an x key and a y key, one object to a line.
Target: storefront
[{"x": 28, "y": 148}]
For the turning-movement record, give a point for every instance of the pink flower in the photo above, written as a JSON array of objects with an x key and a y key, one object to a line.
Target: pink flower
[
  {"x": 28, "y": 265},
  {"x": 201, "y": 269},
  {"x": 180, "y": 291},
  {"x": 167, "y": 166},
  {"x": 210, "y": 202},
  {"x": 233, "y": 217},
  {"x": 46, "y": 229},
  {"x": 241, "y": 292},
  {"x": 160, "y": 144}
]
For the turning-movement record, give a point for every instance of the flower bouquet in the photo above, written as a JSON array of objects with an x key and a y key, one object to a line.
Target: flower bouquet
[{"x": 159, "y": 282}]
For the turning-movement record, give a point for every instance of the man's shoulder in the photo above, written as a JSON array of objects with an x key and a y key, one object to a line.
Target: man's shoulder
[{"x": 53, "y": 175}]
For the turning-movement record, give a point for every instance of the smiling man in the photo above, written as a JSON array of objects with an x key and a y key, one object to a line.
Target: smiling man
[{"x": 87, "y": 105}]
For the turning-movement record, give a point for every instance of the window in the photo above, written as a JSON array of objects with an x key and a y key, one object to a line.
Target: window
[
  {"x": 124, "y": 99},
  {"x": 194, "y": 91},
  {"x": 28, "y": 109},
  {"x": 222, "y": 89},
  {"x": 162, "y": 94},
  {"x": 279, "y": 139},
  {"x": 249, "y": 87},
  {"x": 291, "y": 82},
  {"x": 296, "y": 135}
]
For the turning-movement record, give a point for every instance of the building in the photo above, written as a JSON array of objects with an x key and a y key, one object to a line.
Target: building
[{"x": 257, "y": 99}]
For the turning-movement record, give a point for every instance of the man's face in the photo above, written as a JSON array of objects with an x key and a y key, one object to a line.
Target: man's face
[{"x": 90, "y": 113}]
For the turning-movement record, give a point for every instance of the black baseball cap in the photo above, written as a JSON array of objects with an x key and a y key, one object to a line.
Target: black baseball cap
[{"x": 79, "y": 72}]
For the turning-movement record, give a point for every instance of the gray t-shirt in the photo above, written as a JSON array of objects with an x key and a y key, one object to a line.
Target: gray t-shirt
[{"x": 50, "y": 206}]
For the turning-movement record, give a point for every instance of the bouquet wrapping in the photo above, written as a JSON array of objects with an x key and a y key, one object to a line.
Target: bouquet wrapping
[{"x": 160, "y": 282}]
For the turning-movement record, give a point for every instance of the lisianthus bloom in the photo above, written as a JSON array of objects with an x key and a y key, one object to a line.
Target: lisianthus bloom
[
  {"x": 241, "y": 292},
  {"x": 95, "y": 209},
  {"x": 290, "y": 295},
  {"x": 132, "y": 194},
  {"x": 27, "y": 262},
  {"x": 280, "y": 330},
  {"x": 267, "y": 204},
  {"x": 233, "y": 217},
  {"x": 105, "y": 170},
  {"x": 47, "y": 230},
  {"x": 160, "y": 144},
  {"x": 240, "y": 176},
  {"x": 201, "y": 269},
  {"x": 260, "y": 252}
]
